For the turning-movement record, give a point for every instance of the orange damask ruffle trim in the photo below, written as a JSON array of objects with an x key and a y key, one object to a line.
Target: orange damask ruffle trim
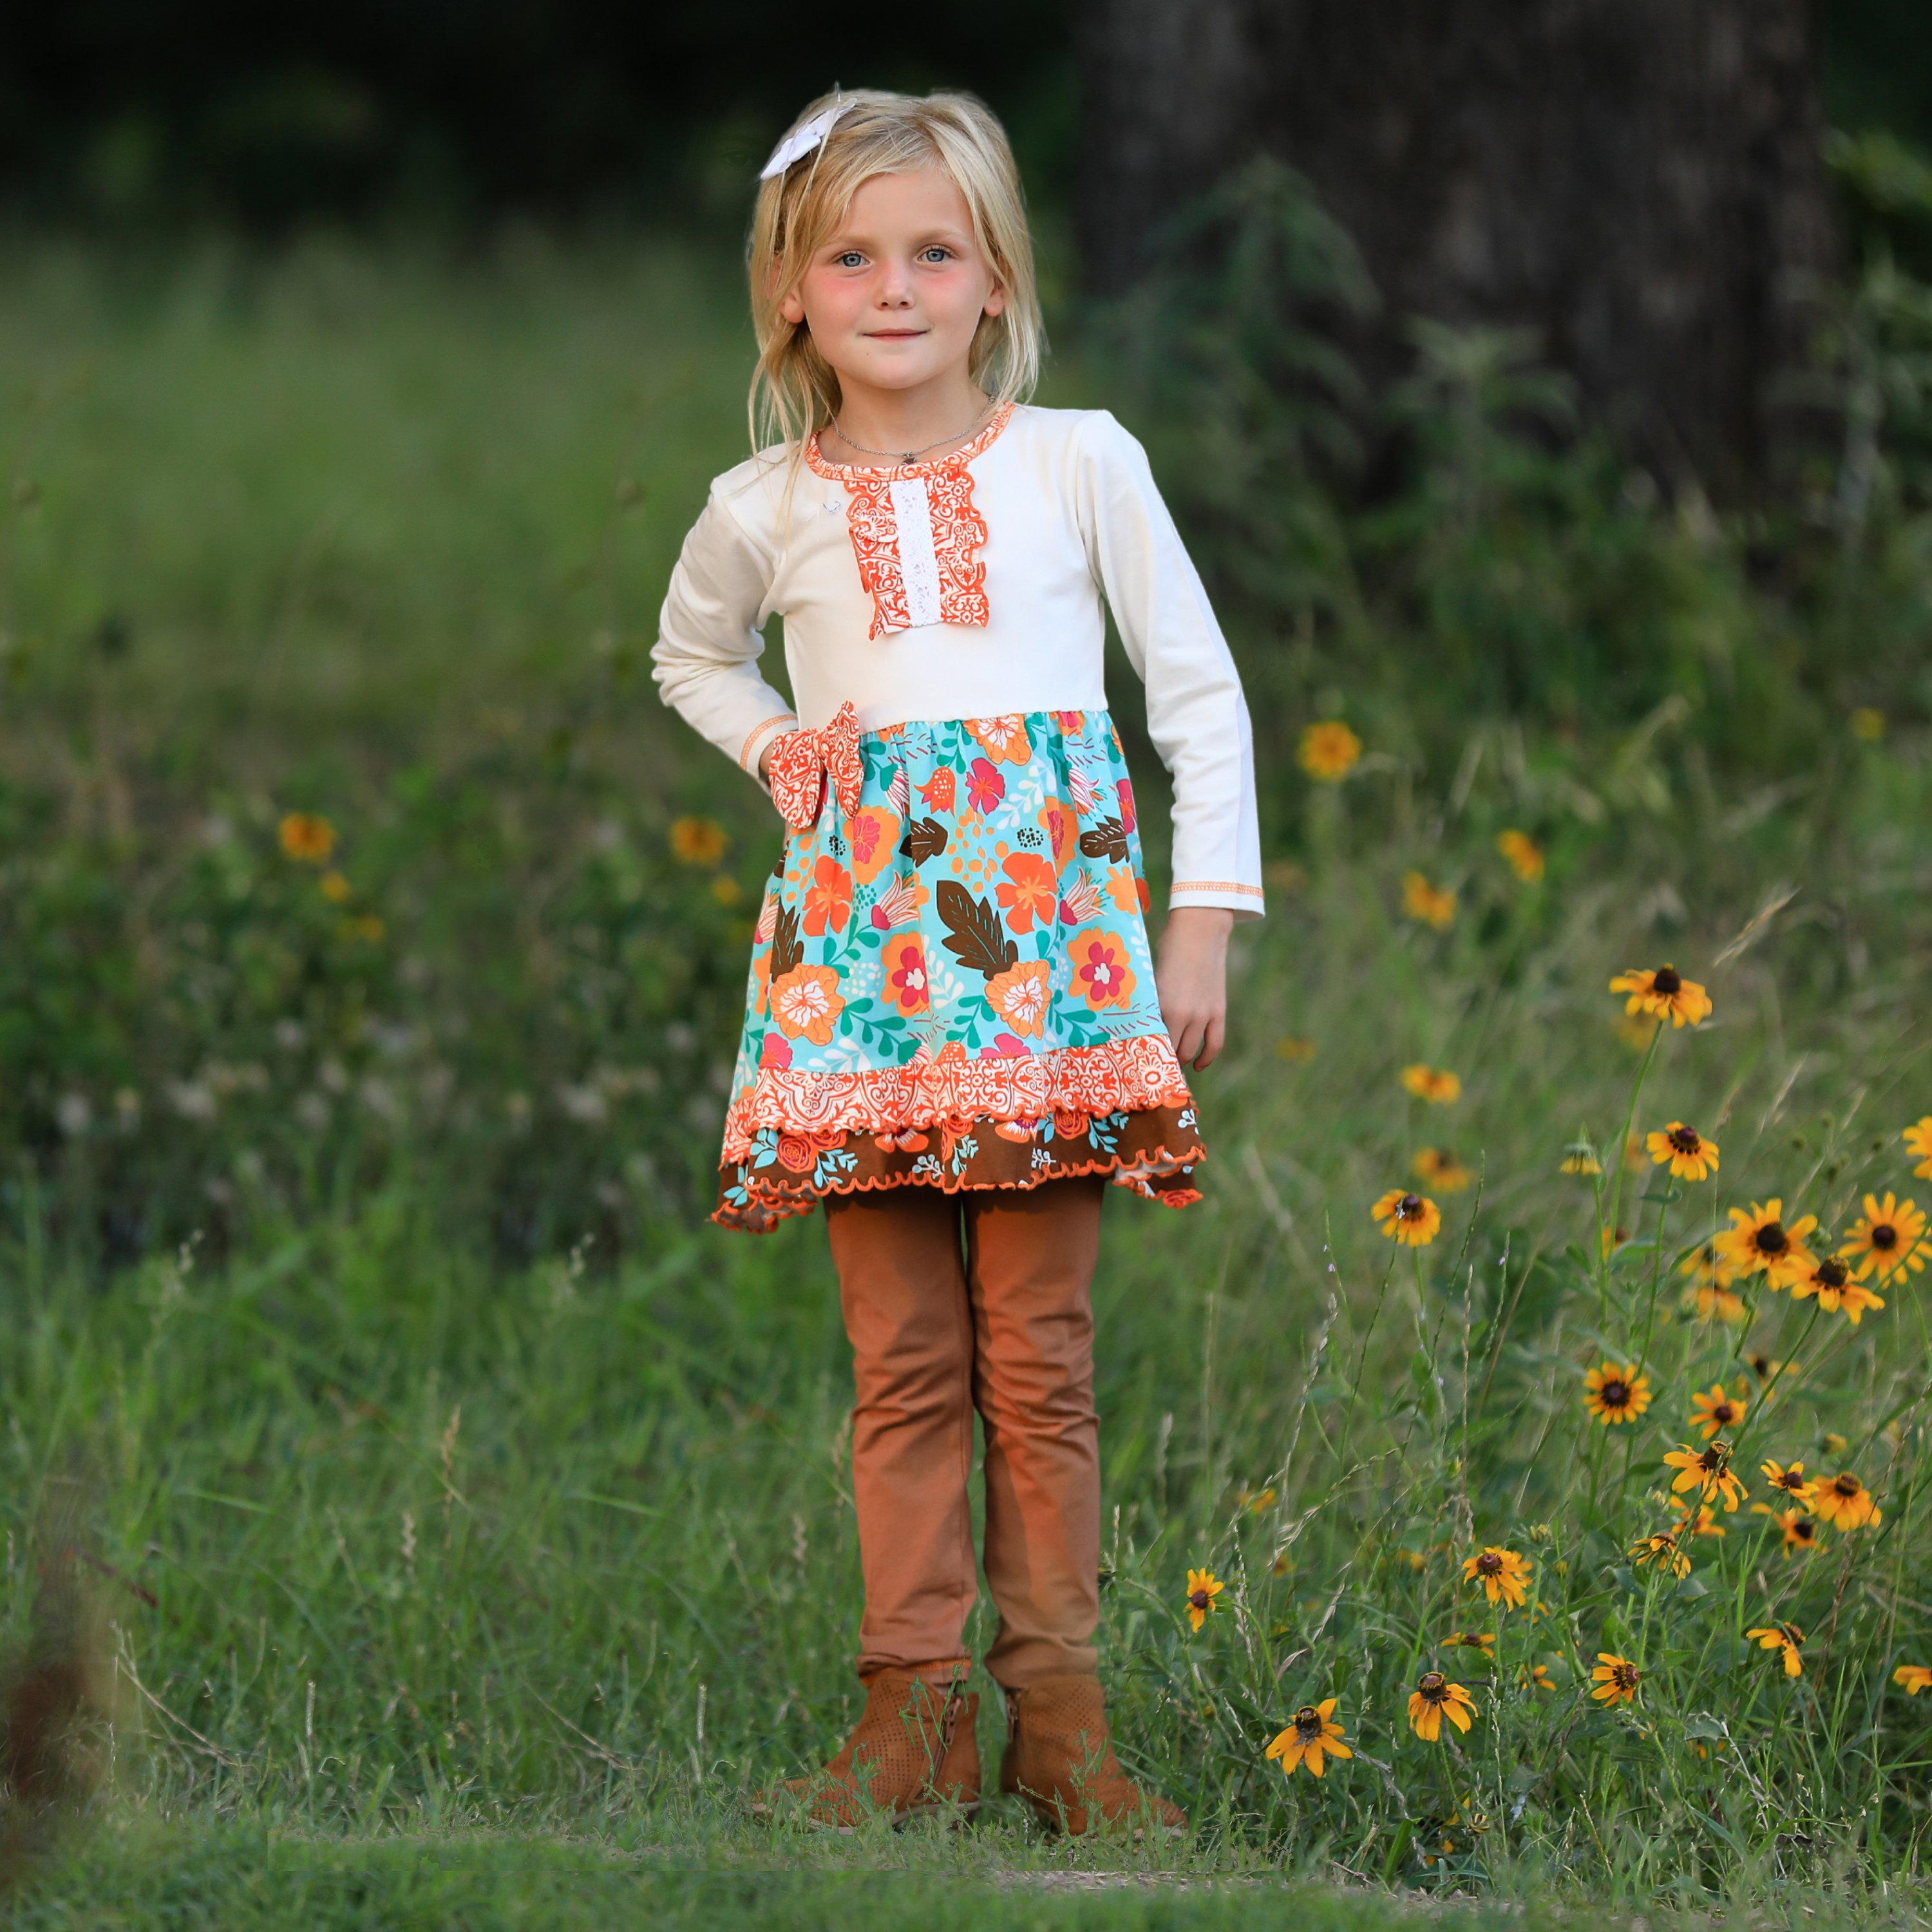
[{"x": 932, "y": 1089}]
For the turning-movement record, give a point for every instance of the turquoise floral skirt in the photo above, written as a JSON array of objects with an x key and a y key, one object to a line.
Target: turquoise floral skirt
[{"x": 952, "y": 987}]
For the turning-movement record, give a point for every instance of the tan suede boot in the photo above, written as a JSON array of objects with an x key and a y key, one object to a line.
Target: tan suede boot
[
  {"x": 913, "y": 1750},
  {"x": 1059, "y": 1759}
]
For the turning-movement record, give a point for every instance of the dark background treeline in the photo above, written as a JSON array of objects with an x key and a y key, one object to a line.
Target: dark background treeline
[{"x": 133, "y": 111}]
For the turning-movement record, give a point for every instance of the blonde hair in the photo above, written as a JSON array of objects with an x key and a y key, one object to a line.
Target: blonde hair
[{"x": 794, "y": 390}]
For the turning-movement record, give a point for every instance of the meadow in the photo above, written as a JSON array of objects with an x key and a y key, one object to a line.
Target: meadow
[{"x": 465, "y": 1523}]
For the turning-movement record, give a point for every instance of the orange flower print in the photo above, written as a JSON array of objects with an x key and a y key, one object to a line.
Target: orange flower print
[
  {"x": 828, "y": 899},
  {"x": 905, "y": 975},
  {"x": 1101, "y": 971},
  {"x": 1057, "y": 821},
  {"x": 1020, "y": 996},
  {"x": 1123, "y": 888},
  {"x": 806, "y": 1003},
  {"x": 1071, "y": 722},
  {"x": 1123, "y": 789},
  {"x": 984, "y": 787},
  {"x": 1005, "y": 739},
  {"x": 938, "y": 790},
  {"x": 761, "y": 978},
  {"x": 873, "y": 833},
  {"x": 1031, "y": 893}
]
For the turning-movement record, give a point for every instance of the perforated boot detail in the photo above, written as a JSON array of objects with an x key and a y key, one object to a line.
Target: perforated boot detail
[{"x": 1060, "y": 1758}]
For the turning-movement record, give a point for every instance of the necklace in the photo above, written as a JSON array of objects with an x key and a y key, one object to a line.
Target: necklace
[{"x": 912, "y": 455}]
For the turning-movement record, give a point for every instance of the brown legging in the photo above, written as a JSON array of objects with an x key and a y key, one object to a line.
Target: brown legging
[{"x": 1005, "y": 1327}]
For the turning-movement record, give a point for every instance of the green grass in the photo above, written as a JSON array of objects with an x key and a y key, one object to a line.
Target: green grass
[{"x": 451, "y": 1568}]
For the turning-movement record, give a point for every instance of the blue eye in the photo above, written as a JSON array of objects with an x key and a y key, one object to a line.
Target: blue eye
[
  {"x": 937, "y": 253},
  {"x": 851, "y": 258}
]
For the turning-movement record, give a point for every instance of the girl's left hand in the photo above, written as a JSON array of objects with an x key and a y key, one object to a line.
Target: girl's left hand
[{"x": 1191, "y": 978}]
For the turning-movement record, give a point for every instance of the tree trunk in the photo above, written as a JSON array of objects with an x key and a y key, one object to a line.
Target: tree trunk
[{"x": 1638, "y": 181}]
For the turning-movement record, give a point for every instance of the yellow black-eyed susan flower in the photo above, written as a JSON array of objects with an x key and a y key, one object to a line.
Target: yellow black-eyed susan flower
[
  {"x": 1708, "y": 1471},
  {"x": 1831, "y": 1281},
  {"x": 1665, "y": 1549},
  {"x": 1696, "y": 1518},
  {"x": 307, "y": 837},
  {"x": 1522, "y": 854},
  {"x": 1414, "y": 1219},
  {"x": 1914, "y": 1677},
  {"x": 1831, "y": 1443},
  {"x": 1664, "y": 994},
  {"x": 1687, "y": 1154},
  {"x": 1312, "y": 1734},
  {"x": 1613, "y": 1394},
  {"x": 1800, "y": 1531},
  {"x": 1442, "y": 1170},
  {"x": 1433, "y": 1699},
  {"x": 1888, "y": 1238},
  {"x": 1842, "y": 1501},
  {"x": 1791, "y": 1479},
  {"x": 1484, "y": 1641},
  {"x": 1758, "y": 1241},
  {"x": 1715, "y": 1410},
  {"x": 1427, "y": 904},
  {"x": 336, "y": 888},
  {"x": 1536, "y": 1677},
  {"x": 1203, "y": 1587},
  {"x": 1328, "y": 750},
  {"x": 1435, "y": 1084},
  {"x": 1918, "y": 1137},
  {"x": 1616, "y": 1679},
  {"x": 1503, "y": 1574},
  {"x": 698, "y": 841},
  {"x": 1785, "y": 1637},
  {"x": 1582, "y": 1158}
]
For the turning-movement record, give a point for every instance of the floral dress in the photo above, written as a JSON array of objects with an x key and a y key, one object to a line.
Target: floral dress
[{"x": 951, "y": 985}]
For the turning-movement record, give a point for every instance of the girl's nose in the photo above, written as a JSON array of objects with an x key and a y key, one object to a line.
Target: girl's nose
[{"x": 896, "y": 289}]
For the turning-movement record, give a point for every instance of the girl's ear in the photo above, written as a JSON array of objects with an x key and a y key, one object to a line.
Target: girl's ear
[
  {"x": 792, "y": 308},
  {"x": 996, "y": 299}
]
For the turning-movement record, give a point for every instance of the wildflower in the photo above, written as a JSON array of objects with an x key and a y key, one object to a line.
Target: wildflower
[
  {"x": 1313, "y": 1732},
  {"x": 1524, "y": 855},
  {"x": 1580, "y": 1159},
  {"x": 1440, "y": 1089},
  {"x": 1615, "y": 1678},
  {"x": 1708, "y": 1302},
  {"x": 1716, "y": 1411},
  {"x": 1328, "y": 750},
  {"x": 1665, "y": 1549},
  {"x": 1831, "y": 1281},
  {"x": 1918, "y": 1137},
  {"x": 1664, "y": 994},
  {"x": 1785, "y": 1637},
  {"x": 1867, "y": 723},
  {"x": 1914, "y": 1677},
  {"x": 1889, "y": 1238},
  {"x": 1203, "y": 1587},
  {"x": 1843, "y": 1501},
  {"x": 1433, "y": 1699},
  {"x": 1696, "y": 1519},
  {"x": 1259, "y": 1500},
  {"x": 1296, "y": 1047},
  {"x": 1411, "y": 1218},
  {"x": 1768, "y": 1372},
  {"x": 1800, "y": 1531},
  {"x": 1536, "y": 1677},
  {"x": 1427, "y": 904},
  {"x": 725, "y": 889},
  {"x": 1484, "y": 1641},
  {"x": 1503, "y": 1575},
  {"x": 1609, "y": 1239},
  {"x": 1708, "y": 1471},
  {"x": 698, "y": 841},
  {"x": 307, "y": 837},
  {"x": 1792, "y": 1481},
  {"x": 1759, "y": 1241},
  {"x": 1439, "y": 1166},
  {"x": 1688, "y": 1155},
  {"x": 1613, "y": 1395},
  {"x": 1832, "y": 1443}
]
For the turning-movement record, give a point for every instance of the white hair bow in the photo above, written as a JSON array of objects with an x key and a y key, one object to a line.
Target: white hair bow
[{"x": 801, "y": 141}]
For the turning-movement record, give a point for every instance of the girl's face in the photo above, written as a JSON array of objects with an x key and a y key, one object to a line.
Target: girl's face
[{"x": 893, "y": 298}]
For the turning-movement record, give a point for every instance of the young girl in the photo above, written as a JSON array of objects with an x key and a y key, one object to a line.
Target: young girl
[{"x": 955, "y": 1034}]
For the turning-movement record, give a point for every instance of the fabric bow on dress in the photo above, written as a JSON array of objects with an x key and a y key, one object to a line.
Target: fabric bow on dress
[{"x": 802, "y": 760}]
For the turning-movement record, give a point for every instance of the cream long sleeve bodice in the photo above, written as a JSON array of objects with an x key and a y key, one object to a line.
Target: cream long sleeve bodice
[{"x": 969, "y": 587}]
